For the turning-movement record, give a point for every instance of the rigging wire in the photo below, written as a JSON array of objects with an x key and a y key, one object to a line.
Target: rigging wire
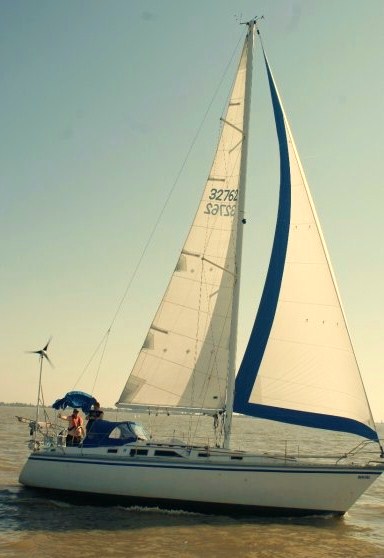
[{"x": 103, "y": 340}]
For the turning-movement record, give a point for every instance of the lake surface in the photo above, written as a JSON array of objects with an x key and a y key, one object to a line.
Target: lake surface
[{"x": 38, "y": 527}]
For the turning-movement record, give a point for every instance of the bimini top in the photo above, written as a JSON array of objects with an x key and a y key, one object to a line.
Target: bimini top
[
  {"x": 75, "y": 399},
  {"x": 108, "y": 433}
]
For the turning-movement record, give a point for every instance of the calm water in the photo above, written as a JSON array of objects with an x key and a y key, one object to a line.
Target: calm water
[{"x": 37, "y": 527}]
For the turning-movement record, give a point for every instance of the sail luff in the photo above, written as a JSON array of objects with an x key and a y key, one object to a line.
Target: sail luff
[{"x": 239, "y": 239}]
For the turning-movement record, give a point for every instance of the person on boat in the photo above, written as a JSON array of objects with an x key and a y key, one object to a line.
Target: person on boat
[
  {"x": 95, "y": 413},
  {"x": 75, "y": 428}
]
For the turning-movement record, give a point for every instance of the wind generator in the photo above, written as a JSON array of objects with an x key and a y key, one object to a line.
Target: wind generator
[{"x": 42, "y": 355}]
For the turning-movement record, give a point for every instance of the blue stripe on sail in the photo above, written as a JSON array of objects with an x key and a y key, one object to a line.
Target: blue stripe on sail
[
  {"x": 313, "y": 420},
  {"x": 260, "y": 333},
  {"x": 257, "y": 343}
]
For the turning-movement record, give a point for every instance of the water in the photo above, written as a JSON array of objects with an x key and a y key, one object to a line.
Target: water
[{"x": 39, "y": 527}]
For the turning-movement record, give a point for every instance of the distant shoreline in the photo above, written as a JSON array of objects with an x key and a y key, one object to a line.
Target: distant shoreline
[
  {"x": 18, "y": 404},
  {"x": 114, "y": 409}
]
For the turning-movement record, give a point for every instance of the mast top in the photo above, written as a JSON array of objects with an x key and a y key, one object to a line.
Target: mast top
[{"x": 252, "y": 21}]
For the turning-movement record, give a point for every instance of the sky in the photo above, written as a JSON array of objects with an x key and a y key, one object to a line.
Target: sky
[{"x": 109, "y": 117}]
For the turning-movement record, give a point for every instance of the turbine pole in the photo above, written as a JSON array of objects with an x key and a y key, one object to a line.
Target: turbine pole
[{"x": 38, "y": 398}]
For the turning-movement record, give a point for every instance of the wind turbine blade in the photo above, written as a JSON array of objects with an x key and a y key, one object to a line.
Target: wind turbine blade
[
  {"x": 43, "y": 352},
  {"x": 48, "y": 342},
  {"x": 48, "y": 359}
]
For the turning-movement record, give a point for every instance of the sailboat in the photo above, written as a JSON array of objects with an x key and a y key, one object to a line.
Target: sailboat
[{"x": 299, "y": 366}]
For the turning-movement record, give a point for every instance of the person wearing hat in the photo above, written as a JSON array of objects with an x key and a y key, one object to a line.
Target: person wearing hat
[
  {"x": 95, "y": 413},
  {"x": 75, "y": 428}
]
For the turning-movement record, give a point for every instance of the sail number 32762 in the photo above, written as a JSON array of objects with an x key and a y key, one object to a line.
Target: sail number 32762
[{"x": 223, "y": 209}]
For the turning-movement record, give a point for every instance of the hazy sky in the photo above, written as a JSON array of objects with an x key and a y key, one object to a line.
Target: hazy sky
[{"x": 100, "y": 104}]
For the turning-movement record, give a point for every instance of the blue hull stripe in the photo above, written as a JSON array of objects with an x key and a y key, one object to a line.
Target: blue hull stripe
[{"x": 338, "y": 470}]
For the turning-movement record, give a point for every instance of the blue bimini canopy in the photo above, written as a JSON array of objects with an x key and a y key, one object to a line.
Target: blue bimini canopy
[{"x": 75, "y": 399}]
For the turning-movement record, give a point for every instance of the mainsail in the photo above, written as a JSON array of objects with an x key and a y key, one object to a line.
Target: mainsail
[
  {"x": 299, "y": 366},
  {"x": 183, "y": 364}
]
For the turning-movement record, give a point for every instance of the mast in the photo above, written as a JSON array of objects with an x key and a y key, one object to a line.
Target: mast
[{"x": 239, "y": 238}]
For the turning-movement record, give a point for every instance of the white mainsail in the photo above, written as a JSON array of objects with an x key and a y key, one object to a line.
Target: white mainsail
[{"x": 184, "y": 361}]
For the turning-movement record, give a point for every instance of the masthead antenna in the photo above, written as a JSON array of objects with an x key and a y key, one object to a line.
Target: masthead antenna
[{"x": 252, "y": 21}]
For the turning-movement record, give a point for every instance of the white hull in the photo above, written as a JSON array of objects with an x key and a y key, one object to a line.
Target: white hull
[{"x": 212, "y": 484}]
